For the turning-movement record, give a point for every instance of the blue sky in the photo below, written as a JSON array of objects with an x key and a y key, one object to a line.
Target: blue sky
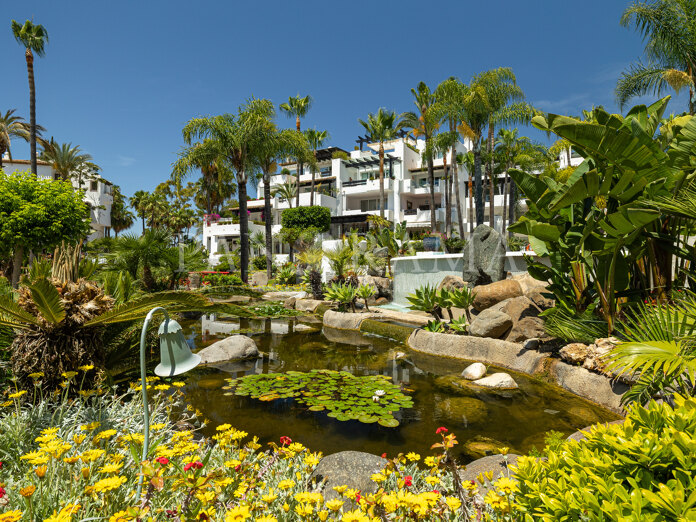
[{"x": 121, "y": 78}]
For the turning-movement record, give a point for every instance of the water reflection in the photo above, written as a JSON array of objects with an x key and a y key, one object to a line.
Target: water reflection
[{"x": 519, "y": 420}]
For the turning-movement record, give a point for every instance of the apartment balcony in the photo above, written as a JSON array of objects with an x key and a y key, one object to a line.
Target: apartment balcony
[
  {"x": 363, "y": 186},
  {"x": 416, "y": 217},
  {"x": 319, "y": 199},
  {"x": 388, "y": 214},
  {"x": 408, "y": 186}
]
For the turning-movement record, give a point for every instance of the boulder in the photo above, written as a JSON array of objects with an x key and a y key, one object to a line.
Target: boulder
[
  {"x": 381, "y": 301},
  {"x": 466, "y": 410},
  {"x": 300, "y": 328},
  {"x": 259, "y": 279},
  {"x": 528, "y": 283},
  {"x": 307, "y": 305},
  {"x": 501, "y": 381},
  {"x": 575, "y": 353},
  {"x": 479, "y": 446},
  {"x": 484, "y": 257},
  {"x": 451, "y": 282},
  {"x": 382, "y": 286},
  {"x": 474, "y": 371},
  {"x": 490, "y": 323},
  {"x": 493, "y": 293},
  {"x": 541, "y": 297},
  {"x": 495, "y": 464},
  {"x": 348, "y": 468},
  {"x": 527, "y": 328},
  {"x": 290, "y": 303},
  {"x": 228, "y": 349},
  {"x": 194, "y": 280},
  {"x": 517, "y": 308}
]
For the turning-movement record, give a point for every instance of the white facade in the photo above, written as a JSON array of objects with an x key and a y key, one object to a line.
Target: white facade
[
  {"x": 97, "y": 194},
  {"x": 350, "y": 189}
]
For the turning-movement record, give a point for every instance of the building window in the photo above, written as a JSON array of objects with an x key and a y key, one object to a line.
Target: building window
[
  {"x": 93, "y": 186},
  {"x": 367, "y": 205}
]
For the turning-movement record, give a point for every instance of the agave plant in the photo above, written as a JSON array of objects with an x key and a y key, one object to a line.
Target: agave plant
[
  {"x": 460, "y": 325},
  {"x": 426, "y": 300},
  {"x": 60, "y": 326},
  {"x": 343, "y": 294},
  {"x": 435, "y": 326},
  {"x": 365, "y": 292},
  {"x": 286, "y": 275},
  {"x": 462, "y": 298}
]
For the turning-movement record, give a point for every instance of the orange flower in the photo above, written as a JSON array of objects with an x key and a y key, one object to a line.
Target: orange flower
[
  {"x": 40, "y": 471},
  {"x": 27, "y": 491}
]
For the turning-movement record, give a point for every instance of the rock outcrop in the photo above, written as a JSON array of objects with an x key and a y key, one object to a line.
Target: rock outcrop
[
  {"x": 231, "y": 348},
  {"x": 484, "y": 257},
  {"x": 493, "y": 293},
  {"x": 348, "y": 468},
  {"x": 490, "y": 323}
]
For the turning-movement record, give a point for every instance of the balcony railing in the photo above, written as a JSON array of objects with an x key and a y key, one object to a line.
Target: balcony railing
[{"x": 355, "y": 183}]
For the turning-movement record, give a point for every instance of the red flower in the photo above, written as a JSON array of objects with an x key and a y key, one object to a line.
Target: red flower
[
  {"x": 285, "y": 440},
  {"x": 408, "y": 481},
  {"x": 441, "y": 429},
  {"x": 384, "y": 455},
  {"x": 162, "y": 460},
  {"x": 195, "y": 465},
  {"x": 2, "y": 492},
  {"x": 357, "y": 498}
]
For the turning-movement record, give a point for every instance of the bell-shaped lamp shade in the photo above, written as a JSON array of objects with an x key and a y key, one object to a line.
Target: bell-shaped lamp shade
[{"x": 175, "y": 354}]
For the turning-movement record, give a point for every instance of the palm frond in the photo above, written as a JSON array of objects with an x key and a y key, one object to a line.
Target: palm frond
[
  {"x": 640, "y": 79},
  {"x": 47, "y": 300},
  {"x": 12, "y": 316}
]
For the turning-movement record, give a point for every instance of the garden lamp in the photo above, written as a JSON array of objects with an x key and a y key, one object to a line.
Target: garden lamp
[{"x": 175, "y": 358}]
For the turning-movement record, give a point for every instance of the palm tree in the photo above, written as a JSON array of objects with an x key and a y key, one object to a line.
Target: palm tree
[
  {"x": 132, "y": 253},
  {"x": 297, "y": 107},
  {"x": 236, "y": 138},
  {"x": 669, "y": 30},
  {"x": 469, "y": 162},
  {"x": 139, "y": 202},
  {"x": 121, "y": 218},
  {"x": 67, "y": 161},
  {"x": 450, "y": 96},
  {"x": 286, "y": 191},
  {"x": 34, "y": 38},
  {"x": 12, "y": 126},
  {"x": 425, "y": 123},
  {"x": 381, "y": 127},
  {"x": 476, "y": 110},
  {"x": 316, "y": 140}
]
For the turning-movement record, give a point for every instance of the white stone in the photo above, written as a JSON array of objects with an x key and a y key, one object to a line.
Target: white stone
[
  {"x": 231, "y": 348},
  {"x": 474, "y": 371},
  {"x": 498, "y": 380}
]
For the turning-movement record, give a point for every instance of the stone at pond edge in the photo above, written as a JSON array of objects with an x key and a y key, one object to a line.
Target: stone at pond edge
[
  {"x": 290, "y": 303},
  {"x": 480, "y": 446},
  {"x": 484, "y": 257},
  {"x": 259, "y": 279},
  {"x": 527, "y": 328},
  {"x": 575, "y": 353},
  {"x": 228, "y": 349},
  {"x": 494, "y": 463},
  {"x": 466, "y": 410},
  {"x": 499, "y": 381},
  {"x": 490, "y": 323},
  {"x": 451, "y": 282},
  {"x": 493, "y": 293},
  {"x": 474, "y": 371},
  {"x": 299, "y": 328},
  {"x": 579, "y": 435},
  {"x": 307, "y": 305},
  {"x": 348, "y": 468}
]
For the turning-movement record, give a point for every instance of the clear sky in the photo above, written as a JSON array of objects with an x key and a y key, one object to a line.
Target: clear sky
[{"x": 121, "y": 78}]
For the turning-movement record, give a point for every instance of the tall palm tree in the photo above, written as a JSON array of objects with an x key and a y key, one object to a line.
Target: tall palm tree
[
  {"x": 34, "y": 38},
  {"x": 286, "y": 191},
  {"x": 316, "y": 140},
  {"x": 381, "y": 127},
  {"x": 669, "y": 30},
  {"x": 121, "y": 218},
  {"x": 139, "y": 202},
  {"x": 297, "y": 107},
  {"x": 450, "y": 96},
  {"x": 12, "y": 126},
  {"x": 469, "y": 162},
  {"x": 425, "y": 123},
  {"x": 476, "y": 111},
  {"x": 236, "y": 138},
  {"x": 69, "y": 162}
]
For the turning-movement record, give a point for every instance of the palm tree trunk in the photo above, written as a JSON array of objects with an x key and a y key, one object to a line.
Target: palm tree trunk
[
  {"x": 2, "y": 153},
  {"x": 448, "y": 204},
  {"x": 311, "y": 190},
  {"x": 431, "y": 181},
  {"x": 381, "y": 180},
  {"x": 455, "y": 182},
  {"x": 17, "y": 265},
  {"x": 568, "y": 155},
  {"x": 300, "y": 168},
  {"x": 32, "y": 109},
  {"x": 505, "y": 189},
  {"x": 267, "y": 222},
  {"x": 148, "y": 280},
  {"x": 478, "y": 184},
  {"x": 511, "y": 204},
  {"x": 243, "y": 226},
  {"x": 491, "y": 186}
]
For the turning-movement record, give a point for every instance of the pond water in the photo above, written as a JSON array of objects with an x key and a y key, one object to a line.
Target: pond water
[{"x": 518, "y": 420}]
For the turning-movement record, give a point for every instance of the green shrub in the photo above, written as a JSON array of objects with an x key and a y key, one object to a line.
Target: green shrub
[
  {"x": 343, "y": 294},
  {"x": 306, "y": 217},
  {"x": 642, "y": 470},
  {"x": 259, "y": 263},
  {"x": 222, "y": 279},
  {"x": 286, "y": 275}
]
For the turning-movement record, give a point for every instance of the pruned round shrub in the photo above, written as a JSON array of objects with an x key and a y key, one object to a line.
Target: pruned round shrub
[{"x": 306, "y": 217}]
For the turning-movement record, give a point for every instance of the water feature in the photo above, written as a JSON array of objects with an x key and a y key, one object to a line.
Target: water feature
[{"x": 518, "y": 421}]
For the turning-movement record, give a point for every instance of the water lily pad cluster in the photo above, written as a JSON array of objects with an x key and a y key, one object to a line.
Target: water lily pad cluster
[{"x": 344, "y": 396}]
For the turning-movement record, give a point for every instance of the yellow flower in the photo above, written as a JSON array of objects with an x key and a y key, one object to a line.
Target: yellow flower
[
  {"x": 309, "y": 497},
  {"x": 179, "y": 384},
  {"x": 267, "y": 518},
  {"x": 355, "y": 516},
  {"x": 71, "y": 460},
  {"x": 506, "y": 485},
  {"x": 121, "y": 516},
  {"x": 17, "y": 395},
  {"x": 351, "y": 493},
  {"x": 232, "y": 463},
  {"x": 286, "y": 484},
  {"x": 111, "y": 468},
  {"x": 304, "y": 510},
  {"x": 162, "y": 387},
  {"x": 69, "y": 375},
  {"x": 108, "y": 484},
  {"x": 106, "y": 434},
  {"x": 334, "y": 505},
  {"x": 378, "y": 477},
  {"x": 413, "y": 457},
  {"x": 432, "y": 480},
  {"x": 311, "y": 460},
  {"x": 92, "y": 455},
  {"x": 158, "y": 426},
  {"x": 237, "y": 513},
  {"x": 79, "y": 439},
  {"x": 36, "y": 375},
  {"x": 27, "y": 491},
  {"x": 65, "y": 514},
  {"x": 323, "y": 515},
  {"x": 504, "y": 451},
  {"x": 7, "y": 403},
  {"x": 430, "y": 462},
  {"x": 40, "y": 471},
  {"x": 269, "y": 497},
  {"x": 86, "y": 367},
  {"x": 224, "y": 427},
  {"x": 453, "y": 503},
  {"x": 35, "y": 457},
  {"x": 11, "y": 516},
  {"x": 295, "y": 447},
  {"x": 91, "y": 426},
  {"x": 340, "y": 489},
  {"x": 286, "y": 507}
]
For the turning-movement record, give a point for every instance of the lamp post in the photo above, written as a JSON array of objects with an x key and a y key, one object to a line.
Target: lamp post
[{"x": 175, "y": 358}]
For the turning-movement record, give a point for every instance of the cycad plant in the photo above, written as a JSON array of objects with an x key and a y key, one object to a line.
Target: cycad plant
[
  {"x": 311, "y": 259},
  {"x": 365, "y": 292},
  {"x": 426, "y": 300},
  {"x": 344, "y": 294}
]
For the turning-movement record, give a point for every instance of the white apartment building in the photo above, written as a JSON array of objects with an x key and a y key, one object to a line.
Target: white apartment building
[
  {"x": 350, "y": 189},
  {"x": 97, "y": 194}
]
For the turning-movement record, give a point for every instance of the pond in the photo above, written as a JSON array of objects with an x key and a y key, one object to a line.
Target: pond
[{"x": 518, "y": 420}]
